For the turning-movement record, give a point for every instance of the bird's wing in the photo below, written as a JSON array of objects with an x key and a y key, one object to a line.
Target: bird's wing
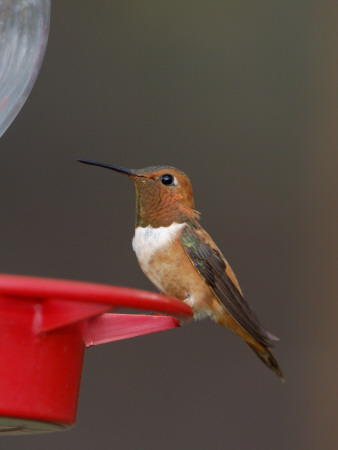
[{"x": 211, "y": 265}]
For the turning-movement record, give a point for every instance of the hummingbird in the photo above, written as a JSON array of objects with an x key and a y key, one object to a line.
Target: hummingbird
[{"x": 182, "y": 260}]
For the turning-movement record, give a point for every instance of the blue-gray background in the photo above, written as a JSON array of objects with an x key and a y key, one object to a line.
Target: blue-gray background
[{"x": 242, "y": 95}]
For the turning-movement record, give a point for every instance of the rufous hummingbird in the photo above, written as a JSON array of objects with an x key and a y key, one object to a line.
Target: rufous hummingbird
[{"x": 182, "y": 260}]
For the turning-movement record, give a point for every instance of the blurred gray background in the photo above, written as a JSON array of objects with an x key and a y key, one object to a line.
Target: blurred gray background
[{"x": 241, "y": 95}]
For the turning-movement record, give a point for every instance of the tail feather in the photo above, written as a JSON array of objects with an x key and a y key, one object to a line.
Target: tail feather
[
  {"x": 263, "y": 352},
  {"x": 265, "y": 355}
]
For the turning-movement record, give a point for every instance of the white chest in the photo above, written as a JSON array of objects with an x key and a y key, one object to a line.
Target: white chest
[{"x": 148, "y": 240}]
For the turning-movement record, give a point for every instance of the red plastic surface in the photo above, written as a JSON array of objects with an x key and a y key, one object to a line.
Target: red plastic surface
[
  {"x": 114, "y": 327},
  {"x": 45, "y": 325},
  {"x": 35, "y": 287},
  {"x": 39, "y": 373}
]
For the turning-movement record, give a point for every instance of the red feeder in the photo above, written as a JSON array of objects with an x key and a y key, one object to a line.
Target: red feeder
[{"x": 45, "y": 326}]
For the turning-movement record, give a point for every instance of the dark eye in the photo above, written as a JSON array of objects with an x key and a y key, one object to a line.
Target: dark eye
[{"x": 167, "y": 179}]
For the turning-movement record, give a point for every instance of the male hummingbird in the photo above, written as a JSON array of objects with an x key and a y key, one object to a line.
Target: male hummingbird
[{"x": 183, "y": 261}]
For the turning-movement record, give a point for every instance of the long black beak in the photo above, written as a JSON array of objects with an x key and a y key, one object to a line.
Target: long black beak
[{"x": 119, "y": 169}]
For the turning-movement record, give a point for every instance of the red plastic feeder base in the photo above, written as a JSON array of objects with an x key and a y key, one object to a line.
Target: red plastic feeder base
[{"x": 45, "y": 326}]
